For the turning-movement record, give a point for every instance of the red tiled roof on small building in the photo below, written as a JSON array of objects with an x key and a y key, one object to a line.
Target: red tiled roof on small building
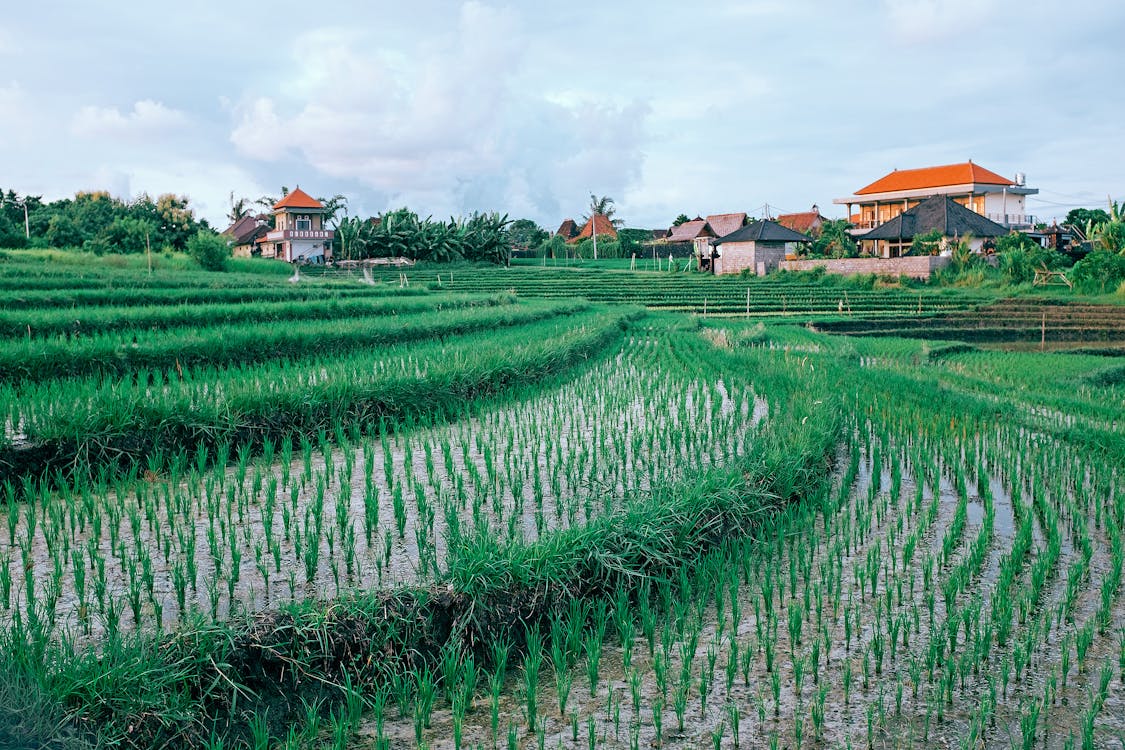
[
  {"x": 298, "y": 199},
  {"x": 603, "y": 224},
  {"x": 804, "y": 221},
  {"x": 966, "y": 173}
]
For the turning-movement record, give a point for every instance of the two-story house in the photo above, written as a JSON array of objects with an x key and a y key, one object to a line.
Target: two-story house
[
  {"x": 980, "y": 190},
  {"x": 298, "y": 235}
]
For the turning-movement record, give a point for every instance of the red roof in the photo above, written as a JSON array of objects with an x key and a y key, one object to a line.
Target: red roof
[
  {"x": 724, "y": 224},
  {"x": 802, "y": 222},
  {"x": 298, "y": 199},
  {"x": 567, "y": 229},
  {"x": 932, "y": 177},
  {"x": 689, "y": 230},
  {"x": 604, "y": 225}
]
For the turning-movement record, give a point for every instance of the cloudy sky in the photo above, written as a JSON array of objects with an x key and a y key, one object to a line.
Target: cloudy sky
[{"x": 528, "y": 107}]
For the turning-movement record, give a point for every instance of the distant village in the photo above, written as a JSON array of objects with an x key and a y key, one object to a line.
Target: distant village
[{"x": 955, "y": 203}]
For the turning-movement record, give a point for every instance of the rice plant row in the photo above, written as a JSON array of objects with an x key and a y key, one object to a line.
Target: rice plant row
[
  {"x": 119, "y": 354},
  {"x": 350, "y": 511},
  {"x": 70, "y": 323},
  {"x": 960, "y": 586},
  {"x": 93, "y": 425}
]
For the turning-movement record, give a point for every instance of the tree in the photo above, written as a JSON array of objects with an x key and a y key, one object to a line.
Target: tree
[
  {"x": 1083, "y": 217},
  {"x": 63, "y": 231},
  {"x": 525, "y": 234},
  {"x": 927, "y": 243},
  {"x": 1109, "y": 235},
  {"x": 239, "y": 207},
  {"x": 834, "y": 241},
  {"x": 681, "y": 219},
  {"x": 11, "y": 235},
  {"x": 353, "y": 235},
  {"x": 127, "y": 235},
  {"x": 209, "y": 250},
  {"x": 332, "y": 208},
  {"x": 603, "y": 206}
]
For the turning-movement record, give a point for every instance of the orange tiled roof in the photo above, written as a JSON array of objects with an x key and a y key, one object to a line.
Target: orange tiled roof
[
  {"x": 298, "y": 199},
  {"x": 932, "y": 177},
  {"x": 800, "y": 222},
  {"x": 604, "y": 225}
]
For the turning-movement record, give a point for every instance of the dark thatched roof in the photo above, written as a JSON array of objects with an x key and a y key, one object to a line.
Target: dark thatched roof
[
  {"x": 939, "y": 212},
  {"x": 763, "y": 231}
]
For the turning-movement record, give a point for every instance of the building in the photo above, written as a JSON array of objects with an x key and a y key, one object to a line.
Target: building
[
  {"x": 699, "y": 232},
  {"x": 298, "y": 235},
  {"x": 243, "y": 235},
  {"x": 980, "y": 190},
  {"x": 757, "y": 247},
  {"x": 572, "y": 233},
  {"x": 942, "y": 213},
  {"x": 568, "y": 230},
  {"x": 806, "y": 222},
  {"x": 604, "y": 226}
]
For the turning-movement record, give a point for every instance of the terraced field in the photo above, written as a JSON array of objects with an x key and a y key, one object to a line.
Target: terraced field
[
  {"x": 1012, "y": 321},
  {"x": 683, "y": 292},
  {"x": 330, "y": 514}
]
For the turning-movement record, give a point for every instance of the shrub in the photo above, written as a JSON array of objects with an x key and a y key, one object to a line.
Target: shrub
[
  {"x": 209, "y": 250},
  {"x": 1099, "y": 272}
]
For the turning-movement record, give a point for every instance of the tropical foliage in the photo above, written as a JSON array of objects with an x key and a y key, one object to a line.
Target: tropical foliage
[
  {"x": 98, "y": 222},
  {"x": 402, "y": 234},
  {"x": 834, "y": 241}
]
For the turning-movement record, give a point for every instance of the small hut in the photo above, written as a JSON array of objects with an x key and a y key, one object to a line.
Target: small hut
[{"x": 757, "y": 247}]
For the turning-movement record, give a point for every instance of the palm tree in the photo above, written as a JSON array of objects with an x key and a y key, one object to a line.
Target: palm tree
[
  {"x": 239, "y": 207},
  {"x": 603, "y": 206},
  {"x": 332, "y": 207}
]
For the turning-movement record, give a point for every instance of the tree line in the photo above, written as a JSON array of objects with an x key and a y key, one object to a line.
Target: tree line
[{"x": 98, "y": 222}]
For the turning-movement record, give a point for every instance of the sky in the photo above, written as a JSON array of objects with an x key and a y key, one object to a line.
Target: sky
[{"x": 528, "y": 108}]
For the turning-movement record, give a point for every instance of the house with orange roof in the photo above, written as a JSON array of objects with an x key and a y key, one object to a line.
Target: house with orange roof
[
  {"x": 806, "y": 222},
  {"x": 298, "y": 235},
  {"x": 978, "y": 189}
]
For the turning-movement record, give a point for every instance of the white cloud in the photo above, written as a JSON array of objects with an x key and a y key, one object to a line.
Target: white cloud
[
  {"x": 148, "y": 118},
  {"x": 933, "y": 20},
  {"x": 441, "y": 126}
]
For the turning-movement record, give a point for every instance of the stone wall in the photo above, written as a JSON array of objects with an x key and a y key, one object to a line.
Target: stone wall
[{"x": 919, "y": 267}]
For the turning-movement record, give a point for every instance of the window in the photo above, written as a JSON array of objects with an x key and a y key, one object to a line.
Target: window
[{"x": 304, "y": 223}]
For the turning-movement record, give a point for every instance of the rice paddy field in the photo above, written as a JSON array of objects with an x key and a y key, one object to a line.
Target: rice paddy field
[{"x": 514, "y": 508}]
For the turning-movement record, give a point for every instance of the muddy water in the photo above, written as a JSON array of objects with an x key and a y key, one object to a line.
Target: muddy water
[{"x": 380, "y": 513}]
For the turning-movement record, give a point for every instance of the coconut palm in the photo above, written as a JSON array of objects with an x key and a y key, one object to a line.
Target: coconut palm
[
  {"x": 603, "y": 206},
  {"x": 239, "y": 207}
]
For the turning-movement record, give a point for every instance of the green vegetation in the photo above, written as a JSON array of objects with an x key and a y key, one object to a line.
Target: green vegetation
[{"x": 511, "y": 507}]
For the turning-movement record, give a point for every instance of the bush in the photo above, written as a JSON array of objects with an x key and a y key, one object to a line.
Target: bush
[
  {"x": 1099, "y": 272},
  {"x": 209, "y": 250},
  {"x": 1018, "y": 264}
]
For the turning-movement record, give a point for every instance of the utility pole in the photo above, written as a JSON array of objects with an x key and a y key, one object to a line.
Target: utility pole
[
  {"x": 594, "y": 233},
  {"x": 26, "y": 223}
]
